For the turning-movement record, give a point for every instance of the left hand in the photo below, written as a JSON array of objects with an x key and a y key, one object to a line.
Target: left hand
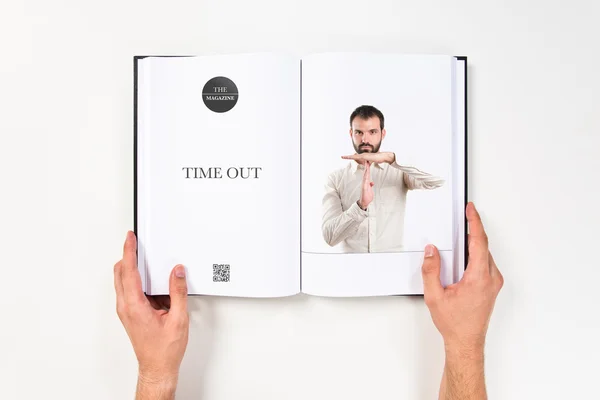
[
  {"x": 383, "y": 157},
  {"x": 157, "y": 327}
]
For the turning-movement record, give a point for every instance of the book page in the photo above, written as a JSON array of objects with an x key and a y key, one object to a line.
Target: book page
[
  {"x": 459, "y": 175},
  {"x": 218, "y": 171},
  {"x": 350, "y": 251}
]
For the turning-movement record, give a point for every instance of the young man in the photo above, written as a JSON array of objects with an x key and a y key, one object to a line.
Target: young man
[
  {"x": 364, "y": 202},
  {"x": 158, "y": 327}
]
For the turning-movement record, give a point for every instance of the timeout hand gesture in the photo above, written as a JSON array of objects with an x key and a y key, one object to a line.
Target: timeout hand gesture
[
  {"x": 366, "y": 193},
  {"x": 366, "y": 158},
  {"x": 379, "y": 157}
]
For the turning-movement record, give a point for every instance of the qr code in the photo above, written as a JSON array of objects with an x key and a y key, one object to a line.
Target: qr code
[{"x": 220, "y": 272}]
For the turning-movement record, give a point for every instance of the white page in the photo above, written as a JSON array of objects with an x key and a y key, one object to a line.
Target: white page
[
  {"x": 415, "y": 95},
  {"x": 251, "y": 224},
  {"x": 459, "y": 176}
]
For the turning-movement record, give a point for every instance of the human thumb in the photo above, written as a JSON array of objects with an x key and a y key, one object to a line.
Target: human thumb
[
  {"x": 432, "y": 285},
  {"x": 178, "y": 290}
]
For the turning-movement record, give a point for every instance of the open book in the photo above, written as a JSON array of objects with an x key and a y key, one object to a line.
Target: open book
[{"x": 268, "y": 175}]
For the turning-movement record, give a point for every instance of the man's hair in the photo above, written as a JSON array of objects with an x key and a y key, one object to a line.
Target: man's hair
[{"x": 366, "y": 112}]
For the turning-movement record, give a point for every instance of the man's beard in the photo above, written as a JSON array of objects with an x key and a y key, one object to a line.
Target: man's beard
[{"x": 366, "y": 148}]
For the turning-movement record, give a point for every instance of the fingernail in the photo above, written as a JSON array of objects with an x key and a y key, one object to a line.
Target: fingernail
[
  {"x": 180, "y": 271},
  {"x": 129, "y": 235},
  {"x": 429, "y": 250}
]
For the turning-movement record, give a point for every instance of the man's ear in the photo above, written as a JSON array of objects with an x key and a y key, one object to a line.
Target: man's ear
[
  {"x": 382, "y": 133},
  {"x": 350, "y": 131}
]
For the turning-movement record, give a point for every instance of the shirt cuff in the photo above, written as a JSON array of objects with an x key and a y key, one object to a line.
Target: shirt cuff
[{"x": 356, "y": 213}]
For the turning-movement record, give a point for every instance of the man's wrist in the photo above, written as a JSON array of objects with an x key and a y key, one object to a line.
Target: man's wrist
[
  {"x": 391, "y": 157},
  {"x": 361, "y": 206},
  {"x": 464, "y": 376},
  {"x": 156, "y": 386},
  {"x": 463, "y": 351}
]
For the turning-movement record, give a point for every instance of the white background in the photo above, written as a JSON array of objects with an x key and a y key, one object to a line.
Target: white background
[
  {"x": 414, "y": 95},
  {"x": 66, "y": 161}
]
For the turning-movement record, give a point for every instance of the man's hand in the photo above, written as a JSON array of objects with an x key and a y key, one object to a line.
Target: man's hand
[
  {"x": 462, "y": 311},
  {"x": 157, "y": 326},
  {"x": 383, "y": 157},
  {"x": 366, "y": 193}
]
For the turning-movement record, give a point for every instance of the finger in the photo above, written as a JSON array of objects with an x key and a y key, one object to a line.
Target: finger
[
  {"x": 432, "y": 286},
  {"x": 132, "y": 283},
  {"x": 366, "y": 174},
  {"x": 178, "y": 291},
  {"x": 477, "y": 242},
  {"x": 117, "y": 280},
  {"x": 118, "y": 285},
  {"x": 350, "y": 157}
]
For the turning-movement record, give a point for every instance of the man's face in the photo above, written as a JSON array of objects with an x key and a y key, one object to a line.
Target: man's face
[{"x": 366, "y": 135}]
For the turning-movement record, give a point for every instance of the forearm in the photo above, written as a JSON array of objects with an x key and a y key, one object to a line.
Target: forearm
[
  {"x": 162, "y": 388},
  {"x": 336, "y": 229},
  {"x": 463, "y": 376},
  {"x": 417, "y": 179}
]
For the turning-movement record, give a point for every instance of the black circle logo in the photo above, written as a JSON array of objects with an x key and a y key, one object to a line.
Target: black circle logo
[{"x": 220, "y": 94}]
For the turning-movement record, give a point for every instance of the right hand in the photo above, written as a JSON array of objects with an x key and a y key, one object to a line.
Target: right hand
[
  {"x": 461, "y": 311},
  {"x": 366, "y": 193}
]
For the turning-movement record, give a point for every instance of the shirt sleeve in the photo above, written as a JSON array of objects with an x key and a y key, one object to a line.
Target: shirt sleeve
[
  {"x": 339, "y": 224},
  {"x": 416, "y": 179}
]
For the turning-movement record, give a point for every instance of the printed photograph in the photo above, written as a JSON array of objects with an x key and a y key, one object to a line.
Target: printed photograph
[
  {"x": 376, "y": 159},
  {"x": 364, "y": 202}
]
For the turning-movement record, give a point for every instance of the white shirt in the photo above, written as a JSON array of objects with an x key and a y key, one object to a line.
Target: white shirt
[{"x": 381, "y": 227}]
